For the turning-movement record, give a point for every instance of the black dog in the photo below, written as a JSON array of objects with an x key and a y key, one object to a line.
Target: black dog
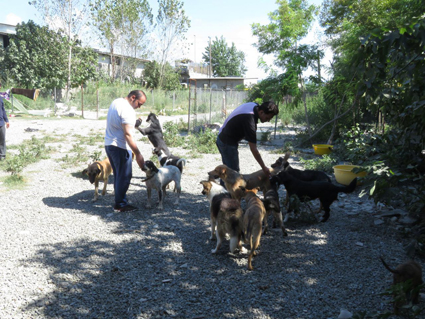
[
  {"x": 326, "y": 192},
  {"x": 306, "y": 175},
  {"x": 154, "y": 132},
  {"x": 169, "y": 159},
  {"x": 271, "y": 203}
]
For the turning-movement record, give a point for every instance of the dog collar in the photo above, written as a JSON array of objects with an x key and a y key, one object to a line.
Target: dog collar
[{"x": 144, "y": 180}]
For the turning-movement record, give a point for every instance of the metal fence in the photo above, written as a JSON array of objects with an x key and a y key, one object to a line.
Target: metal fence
[{"x": 209, "y": 106}]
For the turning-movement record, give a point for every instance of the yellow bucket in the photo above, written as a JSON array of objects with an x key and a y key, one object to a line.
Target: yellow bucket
[
  {"x": 344, "y": 174},
  {"x": 321, "y": 149}
]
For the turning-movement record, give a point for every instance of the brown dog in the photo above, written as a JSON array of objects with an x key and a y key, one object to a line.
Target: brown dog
[
  {"x": 253, "y": 221},
  {"x": 259, "y": 179},
  {"x": 226, "y": 215},
  {"x": 410, "y": 270},
  {"x": 232, "y": 180},
  {"x": 98, "y": 171}
]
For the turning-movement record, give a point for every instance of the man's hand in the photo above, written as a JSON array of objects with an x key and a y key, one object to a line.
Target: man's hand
[{"x": 138, "y": 122}]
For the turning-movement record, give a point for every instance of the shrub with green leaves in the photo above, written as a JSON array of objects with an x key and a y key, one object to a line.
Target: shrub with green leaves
[{"x": 324, "y": 163}]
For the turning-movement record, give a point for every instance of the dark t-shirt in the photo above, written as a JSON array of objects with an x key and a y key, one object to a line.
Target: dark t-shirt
[{"x": 241, "y": 126}]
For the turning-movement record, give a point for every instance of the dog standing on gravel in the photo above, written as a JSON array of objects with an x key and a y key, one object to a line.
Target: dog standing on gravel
[
  {"x": 99, "y": 171},
  {"x": 154, "y": 133},
  {"x": 159, "y": 178},
  {"x": 253, "y": 221},
  {"x": 409, "y": 270},
  {"x": 271, "y": 203},
  {"x": 326, "y": 192},
  {"x": 225, "y": 215}
]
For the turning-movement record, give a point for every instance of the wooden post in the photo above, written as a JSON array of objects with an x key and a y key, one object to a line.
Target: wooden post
[{"x": 82, "y": 101}]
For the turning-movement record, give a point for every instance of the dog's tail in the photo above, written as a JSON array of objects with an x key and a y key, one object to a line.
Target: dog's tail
[
  {"x": 388, "y": 267},
  {"x": 350, "y": 188},
  {"x": 182, "y": 160}
]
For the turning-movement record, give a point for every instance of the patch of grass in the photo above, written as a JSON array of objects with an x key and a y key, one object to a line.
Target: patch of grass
[
  {"x": 323, "y": 163},
  {"x": 14, "y": 181}
]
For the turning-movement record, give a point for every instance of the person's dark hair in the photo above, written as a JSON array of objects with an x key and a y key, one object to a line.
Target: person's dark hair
[
  {"x": 137, "y": 93},
  {"x": 269, "y": 107}
]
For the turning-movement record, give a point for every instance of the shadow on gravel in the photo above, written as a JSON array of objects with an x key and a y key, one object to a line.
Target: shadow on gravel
[{"x": 158, "y": 264}]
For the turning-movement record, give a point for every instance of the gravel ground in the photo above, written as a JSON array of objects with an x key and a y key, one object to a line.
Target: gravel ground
[{"x": 63, "y": 256}]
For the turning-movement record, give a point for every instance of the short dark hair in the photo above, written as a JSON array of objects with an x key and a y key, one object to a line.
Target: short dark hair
[
  {"x": 269, "y": 107},
  {"x": 137, "y": 93}
]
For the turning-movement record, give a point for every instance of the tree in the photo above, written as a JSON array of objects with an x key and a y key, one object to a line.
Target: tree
[
  {"x": 168, "y": 80},
  {"x": 225, "y": 60},
  {"x": 36, "y": 57},
  {"x": 289, "y": 24},
  {"x": 171, "y": 26},
  {"x": 84, "y": 65},
  {"x": 122, "y": 26},
  {"x": 66, "y": 15}
]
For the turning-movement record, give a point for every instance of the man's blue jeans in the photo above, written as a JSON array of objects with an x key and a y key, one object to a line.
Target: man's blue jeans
[
  {"x": 229, "y": 154},
  {"x": 121, "y": 162}
]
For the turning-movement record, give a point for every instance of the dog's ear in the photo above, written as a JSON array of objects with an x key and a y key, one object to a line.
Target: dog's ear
[
  {"x": 287, "y": 156},
  {"x": 84, "y": 172},
  {"x": 222, "y": 170}
]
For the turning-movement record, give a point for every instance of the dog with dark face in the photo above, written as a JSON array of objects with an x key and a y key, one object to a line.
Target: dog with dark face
[
  {"x": 225, "y": 215},
  {"x": 154, "y": 132},
  {"x": 409, "y": 270},
  {"x": 99, "y": 171},
  {"x": 159, "y": 178},
  {"x": 326, "y": 192},
  {"x": 169, "y": 159}
]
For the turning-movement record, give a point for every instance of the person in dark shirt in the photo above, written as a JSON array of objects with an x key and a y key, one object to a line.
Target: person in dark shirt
[
  {"x": 242, "y": 124},
  {"x": 4, "y": 124}
]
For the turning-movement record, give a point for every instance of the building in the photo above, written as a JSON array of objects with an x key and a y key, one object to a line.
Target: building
[{"x": 104, "y": 58}]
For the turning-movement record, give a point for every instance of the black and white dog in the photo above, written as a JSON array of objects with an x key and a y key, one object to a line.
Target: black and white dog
[
  {"x": 159, "y": 178},
  {"x": 171, "y": 159},
  {"x": 154, "y": 132}
]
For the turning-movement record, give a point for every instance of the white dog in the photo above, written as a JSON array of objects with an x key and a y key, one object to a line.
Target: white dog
[{"x": 159, "y": 178}]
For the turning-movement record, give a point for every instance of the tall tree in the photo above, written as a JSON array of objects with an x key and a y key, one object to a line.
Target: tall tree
[
  {"x": 36, "y": 57},
  {"x": 289, "y": 24},
  {"x": 122, "y": 26},
  {"x": 67, "y": 15},
  {"x": 171, "y": 27},
  {"x": 225, "y": 60}
]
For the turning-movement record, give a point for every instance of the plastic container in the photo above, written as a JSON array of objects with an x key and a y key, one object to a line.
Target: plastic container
[{"x": 344, "y": 174}]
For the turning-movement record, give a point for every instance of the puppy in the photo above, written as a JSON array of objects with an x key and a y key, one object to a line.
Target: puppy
[
  {"x": 159, "y": 178},
  {"x": 99, "y": 171},
  {"x": 326, "y": 192},
  {"x": 271, "y": 203},
  {"x": 226, "y": 215},
  {"x": 232, "y": 180},
  {"x": 410, "y": 270},
  {"x": 169, "y": 159},
  {"x": 154, "y": 132},
  {"x": 252, "y": 221}
]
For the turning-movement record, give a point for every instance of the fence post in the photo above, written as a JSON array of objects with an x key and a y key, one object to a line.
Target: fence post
[
  {"x": 223, "y": 108},
  {"x": 82, "y": 101}
]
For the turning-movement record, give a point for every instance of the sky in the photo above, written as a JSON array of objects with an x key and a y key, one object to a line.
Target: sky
[{"x": 231, "y": 19}]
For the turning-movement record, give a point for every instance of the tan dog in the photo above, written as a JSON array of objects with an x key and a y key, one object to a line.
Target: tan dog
[
  {"x": 253, "y": 221},
  {"x": 226, "y": 215},
  {"x": 232, "y": 180},
  {"x": 410, "y": 270},
  {"x": 99, "y": 171},
  {"x": 259, "y": 179}
]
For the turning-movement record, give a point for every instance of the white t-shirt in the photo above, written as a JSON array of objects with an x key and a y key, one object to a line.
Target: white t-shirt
[{"x": 120, "y": 112}]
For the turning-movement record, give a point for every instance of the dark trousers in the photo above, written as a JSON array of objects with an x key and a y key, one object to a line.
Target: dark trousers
[
  {"x": 3, "y": 142},
  {"x": 229, "y": 154},
  {"x": 121, "y": 162}
]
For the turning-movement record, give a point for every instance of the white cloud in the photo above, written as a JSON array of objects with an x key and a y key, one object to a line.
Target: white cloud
[{"x": 13, "y": 19}]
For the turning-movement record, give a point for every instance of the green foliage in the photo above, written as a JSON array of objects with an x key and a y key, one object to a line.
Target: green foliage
[
  {"x": 152, "y": 75},
  {"x": 225, "y": 60},
  {"x": 172, "y": 135},
  {"x": 36, "y": 57},
  {"x": 204, "y": 143},
  {"x": 323, "y": 163},
  {"x": 83, "y": 66},
  {"x": 28, "y": 152}
]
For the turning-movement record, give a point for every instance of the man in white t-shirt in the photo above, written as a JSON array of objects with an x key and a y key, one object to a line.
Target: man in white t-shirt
[{"x": 119, "y": 144}]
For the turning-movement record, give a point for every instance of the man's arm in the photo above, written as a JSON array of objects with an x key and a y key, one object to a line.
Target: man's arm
[
  {"x": 258, "y": 158},
  {"x": 130, "y": 141}
]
